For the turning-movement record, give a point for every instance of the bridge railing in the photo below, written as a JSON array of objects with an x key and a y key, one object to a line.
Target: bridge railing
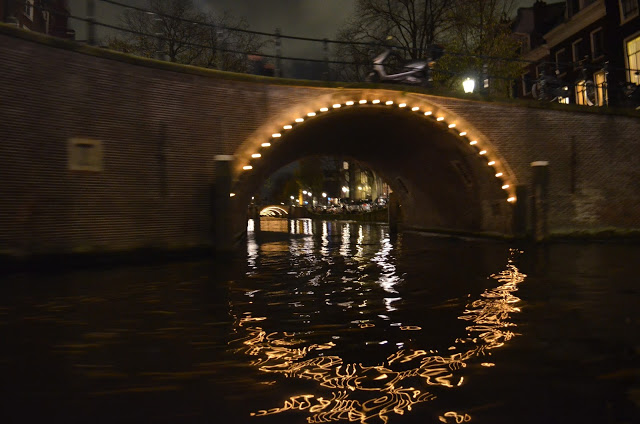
[{"x": 227, "y": 46}]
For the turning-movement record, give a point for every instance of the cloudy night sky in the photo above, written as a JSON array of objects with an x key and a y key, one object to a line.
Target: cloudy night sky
[{"x": 305, "y": 18}]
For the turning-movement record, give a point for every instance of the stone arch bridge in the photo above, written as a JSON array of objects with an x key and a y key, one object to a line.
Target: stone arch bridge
[{"x": 103, "y": 151}]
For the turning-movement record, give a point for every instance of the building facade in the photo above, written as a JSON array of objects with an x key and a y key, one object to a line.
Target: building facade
[
  {"x": 46, "y": 16},
  {"x": 588, "y": 55}
]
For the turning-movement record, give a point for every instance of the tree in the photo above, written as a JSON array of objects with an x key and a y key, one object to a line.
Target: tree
[
  {"x": 480, "y": 44},
  {"x": 178, "y": 30},
  {"x": 412, "y": 25}
]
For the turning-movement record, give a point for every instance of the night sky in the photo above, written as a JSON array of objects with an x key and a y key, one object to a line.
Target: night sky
[{"x": 307, "y": 18}]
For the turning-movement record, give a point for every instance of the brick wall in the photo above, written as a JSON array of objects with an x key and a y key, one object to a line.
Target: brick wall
[{"x": 161, "y": 127}]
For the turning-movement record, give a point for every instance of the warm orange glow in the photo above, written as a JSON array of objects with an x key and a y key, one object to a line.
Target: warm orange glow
[
  {"x": 324, "y": 109},
  {"x": 506, "y": 186},
  {"x": 463, "y": 133},
  {"x": 299, "y": 119},
  {"x": 256, "y": 155},
  {"x": 356, "y": 392},
  {"x": 452, "y": 125},
  {"x": 482, "y": 152},
  {"x": 440, "y": 118},
  {"x": 511, "y": 199},
  {"x": 499, "y": 174},
  {"x": 474, "y": 142},
  {"x": 389, "y": 102},
  {"x": 337, "y": 105},
  {"x": 276, "y": 135},
  {"x": 427, "y": 113},
  {"x": 415, "y": 108},
  {"x": 231, "y": 194},
  {"x": 247, "y": 167},
  {"x": 266, "y": 144},
  {"x": 287, "y": 127},
  {"x": 402, "y": 105},
  {"x": 310, "y": 114},
  {"x": 349, "y": 103},
  {"x": 491, "y": 163}
]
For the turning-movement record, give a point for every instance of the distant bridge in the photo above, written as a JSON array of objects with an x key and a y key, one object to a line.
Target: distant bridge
[
  {"x": 274, "y": 211},
  {"x": 103, "y": 151}
]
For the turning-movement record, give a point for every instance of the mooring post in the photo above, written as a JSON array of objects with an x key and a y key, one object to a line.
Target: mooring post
[
  {"x": 539, "y": 199},
  {"x": 222, "y": 227},
  {"x": 393, "y": 209}
]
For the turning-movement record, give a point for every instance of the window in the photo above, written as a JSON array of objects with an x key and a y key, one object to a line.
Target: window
[
  {"x": 597, "y": 44},
  {"x": 28, "y": 9},
  {"x": 600, "y": 79},
  {"x": 577, "y": 52},
  {"x": 564, "y": 100},
  {"x": 633, "y": 59},
  {"x": 628, "y": 9},
  {"x": 580, "y": 93},
  {"x": 575, "y": 6},
  {"x": 561, "y": 61}
]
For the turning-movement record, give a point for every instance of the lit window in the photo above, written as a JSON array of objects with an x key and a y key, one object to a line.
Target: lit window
[
  {"x": 633, "y": 59},
  {"x": 628, "y": 9},
  {"x": 600, "y": 80},
  {"x": 564, "y": 100}
]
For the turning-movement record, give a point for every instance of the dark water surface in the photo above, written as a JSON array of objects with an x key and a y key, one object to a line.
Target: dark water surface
[{"x": 338, "y": 322}]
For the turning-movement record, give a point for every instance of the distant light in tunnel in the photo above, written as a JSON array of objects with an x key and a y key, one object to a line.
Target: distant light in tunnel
[
  {"x": 299, "y": 119},
  {"x": 389, "y": 102},
  {"x": 337, "y": 105},
  {"x": 499, "y": 174},
  {"x": 231, "y": 194},
  {"x": 452, "y": 125},
  {"x": 482, "y": 152},
  {"x": 491, "y": 163},
  {"x": 463, "y": 133},
  {"x": 287, "y": 127},
  {"x": 506, "y": 186},
  {"x": 311, "y": 114},
  {"x": 349, "y": 103},
  {"x": 247, "y": 167},
  {"x": 376, "y": 101},
  {"x": 401, "y": 104},
  {"x": 415, "y": 108},
  {"x": 304, "y": 191},
  {"x": 428, "y": 113},
  {"x": 276, "y": 135},
  {"x": 440, "y": 118},
  {"x": 473, "y": 143},
  {"x": 266, "y": 144},
  {"x": 256, "y": 155},
  {"x": 362, "y": 102},
  {"x": 511, "y": 199},
  {"x": 324, "y": 109}
]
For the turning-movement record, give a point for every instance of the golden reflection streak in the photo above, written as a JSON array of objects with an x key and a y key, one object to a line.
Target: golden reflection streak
[{"x": 282, "y": 353}]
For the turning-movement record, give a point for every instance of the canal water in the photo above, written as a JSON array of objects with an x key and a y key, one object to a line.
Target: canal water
[{"x": 323, "y": 322}]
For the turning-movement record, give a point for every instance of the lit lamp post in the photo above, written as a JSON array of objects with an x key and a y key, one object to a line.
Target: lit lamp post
[{"x": 468, "y": 85}]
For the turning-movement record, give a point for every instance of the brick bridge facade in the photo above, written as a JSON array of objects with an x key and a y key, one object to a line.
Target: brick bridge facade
[{"x": 106, "y": 152}]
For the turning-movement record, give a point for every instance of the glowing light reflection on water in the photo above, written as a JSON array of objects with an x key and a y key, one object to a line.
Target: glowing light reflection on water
[{"x": 364, "y": 391}]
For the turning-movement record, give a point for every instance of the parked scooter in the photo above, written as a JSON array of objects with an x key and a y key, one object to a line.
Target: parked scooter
[{"x": 390, "y": 67}]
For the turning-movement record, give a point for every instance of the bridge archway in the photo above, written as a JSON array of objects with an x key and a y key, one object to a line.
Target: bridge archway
[
  {"x": 447, "y": 175},
  {"x": 274, "y": 211}
]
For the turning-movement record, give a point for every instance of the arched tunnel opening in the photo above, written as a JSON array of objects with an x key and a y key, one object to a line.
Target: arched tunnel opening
[{"x": 441, "y": 178}]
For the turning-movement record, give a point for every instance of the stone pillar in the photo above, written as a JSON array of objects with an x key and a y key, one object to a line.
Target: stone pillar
[
  {"x": 539, "y": 200},
  {"x": 393, "y": 209},
  {"x": 222, "y": 205},
  {"x": 254, "y": 213}
]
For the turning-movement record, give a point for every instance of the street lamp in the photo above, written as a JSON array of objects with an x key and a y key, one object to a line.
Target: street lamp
[{"x": 468, "y": 85}]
